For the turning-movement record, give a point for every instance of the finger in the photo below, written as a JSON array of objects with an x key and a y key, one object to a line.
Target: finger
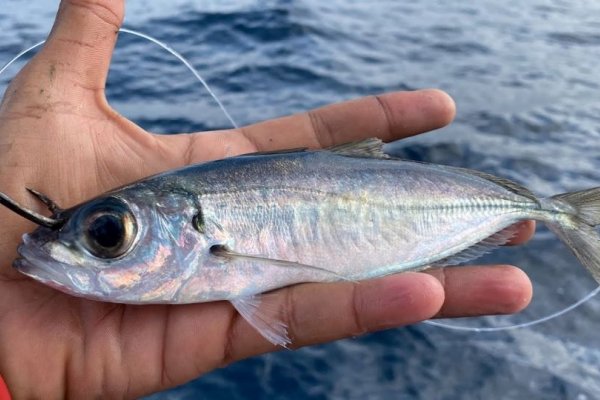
[
  {"x": 525, "y": 231},
  {"x": 200, "y": 337},
  {"x": 316, "y": 313},
  {"x": 388, "y": 116},
  {"x": 320, "y": 313},
  {"x": 485, "y": 290},
  {"x": 79, "y": 48}
]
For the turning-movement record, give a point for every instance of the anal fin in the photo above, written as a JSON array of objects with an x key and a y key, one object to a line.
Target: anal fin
[{"x": 479, "y": 249}]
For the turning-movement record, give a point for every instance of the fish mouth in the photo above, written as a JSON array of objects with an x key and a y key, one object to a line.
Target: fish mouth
[
  {"x": 36, "y": 264},
  {"x": 44, "y": 276}
]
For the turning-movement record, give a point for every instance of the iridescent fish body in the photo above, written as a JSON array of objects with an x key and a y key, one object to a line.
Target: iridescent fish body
[{"x": 235, "y": 228}]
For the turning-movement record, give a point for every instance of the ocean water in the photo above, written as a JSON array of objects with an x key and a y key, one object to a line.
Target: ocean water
[{"x": 526, "y": 81}]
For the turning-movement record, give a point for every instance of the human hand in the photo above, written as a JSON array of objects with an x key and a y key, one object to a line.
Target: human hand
[{"x": 59, "y": 136}]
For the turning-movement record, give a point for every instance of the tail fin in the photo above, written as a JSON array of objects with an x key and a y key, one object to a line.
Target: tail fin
[
  {"x": 586, "y": 202},
  {"x": 579, "y": 234}
]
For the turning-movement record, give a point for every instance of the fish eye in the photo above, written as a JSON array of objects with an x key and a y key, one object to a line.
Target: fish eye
[{"x": 109, "y": 232}]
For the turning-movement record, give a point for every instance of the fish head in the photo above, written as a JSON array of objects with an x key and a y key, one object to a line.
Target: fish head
[{"x": 130, "y": 246}]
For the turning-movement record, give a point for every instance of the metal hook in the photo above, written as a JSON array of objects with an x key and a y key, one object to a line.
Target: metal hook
[
  {"x": 32, "y": 216},
  {"x": 52, "y": 206}
]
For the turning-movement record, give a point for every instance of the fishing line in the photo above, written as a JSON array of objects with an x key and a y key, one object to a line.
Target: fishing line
[
  {"x": 188, "y": 66},
  {"x": 162, "y": 45},
  {"x": 521, "y": 325},
  {"x": 197, "y": 75}
]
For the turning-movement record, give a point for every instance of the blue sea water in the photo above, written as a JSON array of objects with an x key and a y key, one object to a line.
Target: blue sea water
[{"x": 526, "y": 81}]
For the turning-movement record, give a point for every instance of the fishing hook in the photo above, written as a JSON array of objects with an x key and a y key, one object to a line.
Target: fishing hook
[{"x": 32, "y": 216}]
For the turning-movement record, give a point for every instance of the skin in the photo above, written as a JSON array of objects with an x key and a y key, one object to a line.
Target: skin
[{"x": 59, "y": 135}]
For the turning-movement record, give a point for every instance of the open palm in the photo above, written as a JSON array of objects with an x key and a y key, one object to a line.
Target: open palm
[{"x": 59, "y": 136}]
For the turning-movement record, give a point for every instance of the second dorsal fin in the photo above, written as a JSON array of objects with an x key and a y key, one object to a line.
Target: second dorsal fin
[{"x": 505, "y": 183}]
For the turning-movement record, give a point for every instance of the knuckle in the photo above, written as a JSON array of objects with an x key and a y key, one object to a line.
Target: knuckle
[
  {"x": 357, "y": 306},
  {"x": 250, "y": 138},
  {"x": 228, "y": 354},
  {"x": 387, "y": 113},
  {"x": 102, "y": 9},
  {"x": 322, "y": 132}
]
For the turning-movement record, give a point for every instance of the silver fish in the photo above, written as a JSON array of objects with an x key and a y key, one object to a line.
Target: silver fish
[{"x": 236, "y": 228}]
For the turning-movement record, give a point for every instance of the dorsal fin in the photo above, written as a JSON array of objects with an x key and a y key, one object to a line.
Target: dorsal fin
[
  {"x": 505, "y": 183},
  {"x": 368, "y": 148}
]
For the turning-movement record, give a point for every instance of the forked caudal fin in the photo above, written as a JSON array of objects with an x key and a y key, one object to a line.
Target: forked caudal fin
[
  {"x": 586, "y": 202},
  {"x": 579, "y": 234}
]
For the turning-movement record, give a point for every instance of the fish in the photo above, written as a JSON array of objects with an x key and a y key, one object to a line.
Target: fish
[{"x": 238, "y": 228}]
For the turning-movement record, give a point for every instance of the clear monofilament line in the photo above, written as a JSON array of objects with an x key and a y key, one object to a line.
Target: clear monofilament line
[
  {"x": 158, "y": 43},
  {"x": 21, "y": 54},
  {"x": 521, "y": 325},
  {"x": 188, "y": 66}
]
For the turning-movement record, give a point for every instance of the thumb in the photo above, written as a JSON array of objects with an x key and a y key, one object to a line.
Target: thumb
[{"x": 80, "y": 45}]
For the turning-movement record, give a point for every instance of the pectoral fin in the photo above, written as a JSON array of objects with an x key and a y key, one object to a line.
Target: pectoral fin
[
  {"x": 263, "y": 318},
  {"x": 223, "y": 251}
]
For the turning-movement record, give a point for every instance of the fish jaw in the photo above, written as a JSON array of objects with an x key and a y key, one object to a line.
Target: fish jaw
[{"x": 56, "y": 274}]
